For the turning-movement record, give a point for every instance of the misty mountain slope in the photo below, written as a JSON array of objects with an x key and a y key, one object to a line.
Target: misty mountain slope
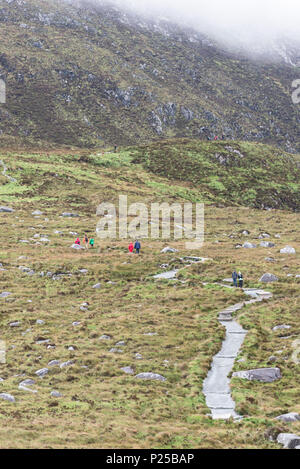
[{"x": 85, "y": 76}]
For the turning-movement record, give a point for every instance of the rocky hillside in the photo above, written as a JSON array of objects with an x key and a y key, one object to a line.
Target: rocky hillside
[{"x": 93, "y": 77}]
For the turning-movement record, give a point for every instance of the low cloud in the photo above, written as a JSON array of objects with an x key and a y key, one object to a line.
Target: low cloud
[{"x": 250, "y": 24}]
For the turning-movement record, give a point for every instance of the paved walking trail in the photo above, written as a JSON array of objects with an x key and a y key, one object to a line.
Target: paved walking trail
[{"x": 216, "y": 386}]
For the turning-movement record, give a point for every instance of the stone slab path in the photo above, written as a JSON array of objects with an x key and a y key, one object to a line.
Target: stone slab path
[{"x": 216, "y": 386}]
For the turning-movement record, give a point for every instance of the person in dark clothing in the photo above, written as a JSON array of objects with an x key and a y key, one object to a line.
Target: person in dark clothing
[
  {"x": 137, "y": 246},
  {"x": 240, "y": 279},
  {"x": 234, "y": 277},
  {"x": 86, "y": 241}
]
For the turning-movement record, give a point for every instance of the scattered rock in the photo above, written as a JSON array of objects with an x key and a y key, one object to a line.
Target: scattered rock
[
  {"x": 43, "y": 372},
  {"x": 23, "y": 386},
  {"x": 37, "y": 212},
  {"x": 56, "y": 394},
  {"x": 288, "y": 440},
  {"x": 66, "y": 364},
  {"x": 40, "y": 322},
  {"x": 115, "y": 350},
  {"x": 54, "y": 363},
  {"x": 264, "y": 235},
  {"x": 105, "y": 337},
  {"x": 281, "y": 326},
  {"x": 168, "y": 249},
  {"x": 6, "y": 209},
  {"x": 290, "y": 417},
  {"x": 24, "y": 269},
  {"x": 128, "y": 370},
  {"x": 266, "y": 375},
  {"x": 15, "y": 324},
  {"x": 248, "y": 245},
  {"x": 166, "y": 275},
  {"x": 97, "y": 286},
  {"x": 267, "y": 244},
  {"x": 288, "y": 250},
  {"x": 69, "y": 214},
  {"x": 43, "y": 341},
  {"x": 268, "y": 278},
  {"x": 154, "y": 376},
  {"x": 5, "y": 294},
  {"x": 7, "y": 397}
]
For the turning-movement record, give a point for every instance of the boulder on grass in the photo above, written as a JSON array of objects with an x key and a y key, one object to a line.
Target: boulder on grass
[
  {"x": 168, "y": 249},
  {"x": 6, "y": 209},
  {"x": 290, "y": 417},
  {"x": 288, "y": 440},
  {"x": 154, "y": 376},
  {"x": 249, "y": 245},
  {"x": 288, "y": 250},
  {"x": 268, "y": 278},
  {"x": 265, "y": 375},
  {"x": 77, "y": 246}
]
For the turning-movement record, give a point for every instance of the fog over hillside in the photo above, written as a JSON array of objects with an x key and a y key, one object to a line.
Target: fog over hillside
[{"x": 255, "y": 26}]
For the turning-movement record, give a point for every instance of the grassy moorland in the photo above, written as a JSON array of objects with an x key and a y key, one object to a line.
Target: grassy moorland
[{"x": 101, "y": 406}]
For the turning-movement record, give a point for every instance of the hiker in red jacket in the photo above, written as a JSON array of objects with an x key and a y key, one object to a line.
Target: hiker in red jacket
[
  {"x": 77, "y": 241},
  {"x": 131, "y": 247}
]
